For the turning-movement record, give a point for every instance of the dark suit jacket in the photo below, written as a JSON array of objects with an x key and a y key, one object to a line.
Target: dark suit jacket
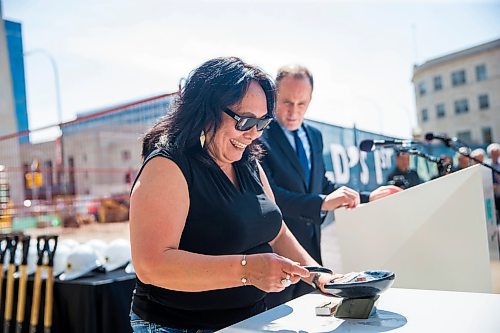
[{"x": 300, "y": 204}]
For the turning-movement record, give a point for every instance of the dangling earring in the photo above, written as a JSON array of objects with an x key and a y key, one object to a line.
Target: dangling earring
[{"x": 202, "y": 139}]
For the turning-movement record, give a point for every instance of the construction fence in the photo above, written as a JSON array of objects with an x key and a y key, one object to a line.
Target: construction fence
[
  {"x": 82, "y": 170},
  {"x": 76, "y": 171}
]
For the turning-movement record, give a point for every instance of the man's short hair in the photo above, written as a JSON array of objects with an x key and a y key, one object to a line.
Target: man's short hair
[
  {"x": 491, "y": 147},
  {"x": 296, "y": 71},
  {"x": 477, "y": 152}
]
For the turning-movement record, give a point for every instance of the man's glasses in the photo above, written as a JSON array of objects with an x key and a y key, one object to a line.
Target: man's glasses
[{"x": 246, "y": 123}]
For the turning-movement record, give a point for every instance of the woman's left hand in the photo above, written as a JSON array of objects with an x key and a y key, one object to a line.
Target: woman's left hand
[{"x": 325, "y": 278}]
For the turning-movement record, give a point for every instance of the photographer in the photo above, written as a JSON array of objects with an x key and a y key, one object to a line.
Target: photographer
[{"x": 403, "y": 176}]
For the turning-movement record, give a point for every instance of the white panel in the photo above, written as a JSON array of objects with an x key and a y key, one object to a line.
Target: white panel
[{"x": 434, "y": 236}]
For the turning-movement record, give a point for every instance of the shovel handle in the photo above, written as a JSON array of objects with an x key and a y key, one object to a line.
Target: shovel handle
[
  {"x": 49, "y": 301},
  {"x": 9, "y": 294},
  {"x": 35, "y": 306},
  {"x": 1, "y": 282},
  {"x": 21, "y": 296}
]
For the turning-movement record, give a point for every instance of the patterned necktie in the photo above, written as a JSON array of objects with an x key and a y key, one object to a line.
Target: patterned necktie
[{"x": 301, "y": 154}]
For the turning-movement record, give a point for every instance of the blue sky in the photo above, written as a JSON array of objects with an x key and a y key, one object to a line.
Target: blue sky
[{"x": 360, "y": 52}]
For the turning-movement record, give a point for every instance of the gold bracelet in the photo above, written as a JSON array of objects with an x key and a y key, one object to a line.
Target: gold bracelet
[{"x": 244, "y": 264}]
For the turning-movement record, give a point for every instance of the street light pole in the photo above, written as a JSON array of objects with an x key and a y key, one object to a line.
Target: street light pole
[
  {"x": 58, "y": 105},
  {"x": 56, "y": 79}
]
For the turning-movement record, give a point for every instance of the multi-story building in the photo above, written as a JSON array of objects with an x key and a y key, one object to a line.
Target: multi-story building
[
  {"x": 13, "y": 34},
  {"x": 10, "y": 94},
  {"x": 101, "y": 150},
  {"x": 459, "y": 94}
]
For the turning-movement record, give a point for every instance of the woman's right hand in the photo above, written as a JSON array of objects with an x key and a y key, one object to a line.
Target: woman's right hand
[{"x": 267, "y": 270}]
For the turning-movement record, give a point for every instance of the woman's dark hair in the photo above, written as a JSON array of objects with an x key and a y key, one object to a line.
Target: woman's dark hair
[{"x": 209, "y": 89}]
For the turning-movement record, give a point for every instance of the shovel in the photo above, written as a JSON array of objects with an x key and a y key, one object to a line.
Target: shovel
[
  {"x": 3, "y": 251},
  {"x": 11, "y": 247},
  {"x": 23, "y": 281},
  {"x": 51, "y": 246},
  {"x": 41, "y": 247}
]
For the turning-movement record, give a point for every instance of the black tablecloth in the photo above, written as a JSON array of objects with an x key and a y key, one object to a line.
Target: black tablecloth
[{"x": 93, "y": 304}]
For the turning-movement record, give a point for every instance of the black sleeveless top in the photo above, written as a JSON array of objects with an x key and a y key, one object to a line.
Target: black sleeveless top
[{"x": 222, "y": 220}]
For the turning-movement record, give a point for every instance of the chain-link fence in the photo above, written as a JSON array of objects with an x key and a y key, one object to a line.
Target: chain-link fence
[
  {"x": 82, "y": 170},
  {"x": 75, "y": 171}
]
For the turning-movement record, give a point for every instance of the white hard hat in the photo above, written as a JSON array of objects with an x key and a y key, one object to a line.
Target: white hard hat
[
  {"x": 17, "y": 258},
  {"x": 99, "y": 246},
  {"x": 60, "y": 258},
  {"x": 130, "y": 268},
  {"x": 80, "y": 261},
  {"x": 117, "y": 254},
  {"x": 6, "y": 260},
  {"x": 71, "y": 243},
  {"x": 32, "y": 257},
  {"x": 31, "y": 260}
]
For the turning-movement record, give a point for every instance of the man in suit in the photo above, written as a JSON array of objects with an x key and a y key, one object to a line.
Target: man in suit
[{"x": 294, "y": 165}]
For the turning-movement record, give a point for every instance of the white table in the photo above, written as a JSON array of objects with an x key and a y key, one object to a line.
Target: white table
[{"x": 399, "y": 310}]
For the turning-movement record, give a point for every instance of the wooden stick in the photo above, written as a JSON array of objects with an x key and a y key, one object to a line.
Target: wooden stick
[
  {"x": 9, "y": 298},
  {"x": 3, "y": 251},
  {"x": 50, "y": 248},
  {"x": 21, "y": 298},
  {"x": 23, "y": 282},
  {"x": 49, "y": 300},
  {"x": 35, "y": 305},
  {"x": 1, "y": 282}
]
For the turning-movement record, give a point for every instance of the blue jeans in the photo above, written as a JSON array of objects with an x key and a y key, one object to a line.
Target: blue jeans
[{"x": 142, "y": 326}]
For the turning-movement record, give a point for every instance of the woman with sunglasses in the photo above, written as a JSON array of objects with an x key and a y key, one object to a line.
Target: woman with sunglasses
[{"x": 208, "y": 241}]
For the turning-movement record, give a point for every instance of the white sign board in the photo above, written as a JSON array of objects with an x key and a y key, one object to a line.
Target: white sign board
[{"x": 438, "y": 235}]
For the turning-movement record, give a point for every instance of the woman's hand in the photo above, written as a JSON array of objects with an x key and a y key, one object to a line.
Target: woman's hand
[
  {"x": 271, "y": 272},
  {"x": 325, "y": 278},
  {"x": 384, "y": 191}
]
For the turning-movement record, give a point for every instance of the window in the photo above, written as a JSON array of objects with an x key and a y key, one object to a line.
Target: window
[
  {"x": 458, "y": 78},
  {"x": 422, "y": 89},
  {"x": 481, "y": 72},
  {"x": 461, "y": 106},
  {"x": 72, "y": 182},
  {"x": 464, "y": 136},
  {"x": 48, "y": 173},
  {"x": 125, "y": 155},
  {"x": 487, "y": 136},
  {"x": 484, "y": 102},
  {"x": 425, "y": 115},
  {"x": 440, "y": 111},
  {"x": 438, "y": 83}
]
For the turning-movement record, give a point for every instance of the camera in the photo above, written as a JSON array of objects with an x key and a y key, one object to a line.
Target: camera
[{"x": 399, "y": 181}]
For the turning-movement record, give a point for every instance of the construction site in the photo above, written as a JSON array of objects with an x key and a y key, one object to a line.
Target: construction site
[{"x": 63, "y": 187}]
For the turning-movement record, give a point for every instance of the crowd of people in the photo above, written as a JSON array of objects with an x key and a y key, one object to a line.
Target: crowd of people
[
  {"x": 226, "y": 211},
  {"x": 405, "y": 177}
]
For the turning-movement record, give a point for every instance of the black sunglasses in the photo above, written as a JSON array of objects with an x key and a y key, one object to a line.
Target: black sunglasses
[{"x": 246, "y": 123}]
